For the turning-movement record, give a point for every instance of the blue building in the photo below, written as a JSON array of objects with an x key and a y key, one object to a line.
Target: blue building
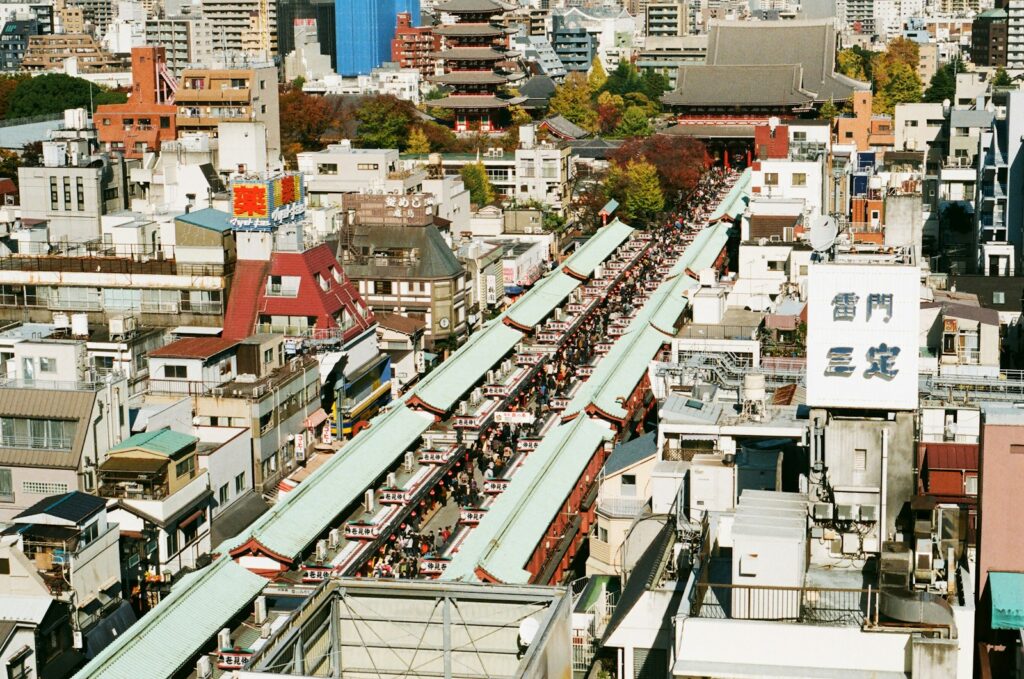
[{"x": 363, "y": 32}]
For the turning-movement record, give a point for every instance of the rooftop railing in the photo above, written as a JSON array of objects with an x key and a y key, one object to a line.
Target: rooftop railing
[{"x": 810, "y": 605}]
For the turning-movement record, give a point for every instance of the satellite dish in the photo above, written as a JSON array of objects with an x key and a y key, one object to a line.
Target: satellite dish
[
  {"x": 823, "y": 233},
  {"x": 528, "y": 629}
]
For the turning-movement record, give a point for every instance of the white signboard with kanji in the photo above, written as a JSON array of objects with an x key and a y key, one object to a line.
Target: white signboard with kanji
[{"x": 862, "y": 336}]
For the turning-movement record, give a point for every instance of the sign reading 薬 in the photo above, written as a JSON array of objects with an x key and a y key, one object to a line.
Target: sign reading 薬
[{"x": 862, "y": 336}]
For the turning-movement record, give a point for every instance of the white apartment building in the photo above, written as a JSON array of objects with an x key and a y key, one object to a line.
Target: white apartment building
[{"x": 187, "y": 40}]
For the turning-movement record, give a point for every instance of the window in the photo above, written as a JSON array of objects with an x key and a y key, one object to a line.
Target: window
[
  {"x": 368, "y": 166},
  {"x": 602, "y": 534},
  {"x": 80, "y": 193},
  {"x": 18, "y": 667},
  {"x": 165, "y": 122},
  {"x": 860, "y": 459},
  {"x": 628, "y": 485},
  {"x": 911, "y": 123},
  {"x": 771, "y": 178},
  {"x": 799, "y": 179},
  {"x": 186, "y": 467},
  {"x": 106, "y": 122},
  {"x": 999, "y": 298},
  {"x": 849, "y": 134},
  {"x": 382, "y": 287},
  {"x": 5, "y": 566},
  {"x": 176, "y": 372},
  {"x": 222, "y": 495},
  {"x": 6, "y": 486},
  {"x": 67, "y": 193},
  {"x": 1016, "y": 449},
  {"x": 172, "y": 542},
  {"x": 971, "y": 485},
  {"x": 240, "y": 483},
  {"x": 53, "y": 193},
  {"x": 47, "y": 365},
  {"x": 268, "y": 356},
  {"x": 24, "y": 432}
]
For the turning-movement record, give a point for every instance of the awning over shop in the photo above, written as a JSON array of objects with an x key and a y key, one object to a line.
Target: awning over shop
[{"x": 315, "y": 419}]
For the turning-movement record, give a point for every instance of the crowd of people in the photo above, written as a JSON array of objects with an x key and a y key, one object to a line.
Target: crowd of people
[{"x": 495, "y": 451}]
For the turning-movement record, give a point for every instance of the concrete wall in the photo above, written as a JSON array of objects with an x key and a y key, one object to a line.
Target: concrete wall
[
  {"x": 904, "y": 220},
  {"x": 226, "y": 462}
]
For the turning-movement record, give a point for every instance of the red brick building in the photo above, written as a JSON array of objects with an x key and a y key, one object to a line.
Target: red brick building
[
  {"x": 412, "y": 45},
  {"x": 148, "y": 117}
]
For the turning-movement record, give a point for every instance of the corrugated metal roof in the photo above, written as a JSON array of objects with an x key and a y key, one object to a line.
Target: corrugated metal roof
[
  {"x": 173, "y": 632},
  {"x": 629, "y": 453},
  {"x": 951, "y": 456},
  {"x": 517, "y": 521},
  {"x": 162, "y": 442},
  {"x": 47, "y": 404},
  {"x": 449, "y": 381},
  {"x": 75, "y": 507},
  {"x": 598, "y": 248},
  {"x": 194, "y": 347},
  {"x": 24, "y": 608},
  {"x": 705, "y": 256},
  {"x": 295, "y": 523},
  {"x": 542, "y": 298}
]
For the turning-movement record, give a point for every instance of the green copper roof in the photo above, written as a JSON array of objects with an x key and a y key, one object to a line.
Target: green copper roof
[
  {"x": 546, "y": 294},
  {"x": 736, "y": 200},
  {"x": 179, "y": 627},
  {"x": 162, "y": 441},
  {"x": 598, "y": 248}
]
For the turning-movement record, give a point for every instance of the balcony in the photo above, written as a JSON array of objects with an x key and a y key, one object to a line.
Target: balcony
[
  {"x": 808, "y": 605},
  {"x": 620, "y": 507},
  {"x": 59, "y": 385}
]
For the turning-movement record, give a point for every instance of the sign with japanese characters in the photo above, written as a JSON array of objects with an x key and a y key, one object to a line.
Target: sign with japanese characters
[
  {"x": 264, "y": 204},
  {"x": 315, "y": 574},
  {"x": 361, "y": 531},
  {"x": 862, "y": 336},
  {"x": 514, "y": 416},
  {"x": 471, "y": 516},
  {"x": 233, "y": 658},
  {"x": 392, "y": 496}
]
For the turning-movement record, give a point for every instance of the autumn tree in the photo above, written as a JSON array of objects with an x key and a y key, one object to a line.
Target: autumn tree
[
  {"x": 679, "y": 160},
  {"x": 572, "y": 99},
  {"x": 598, "y": 76},
  {"x": 609, "y": 112},
  {"x": 304, "y": 121},
  {"x": 638, "y": 189},
  {"x": 384, "y": 122},
  {"x": 418, "y": 142},
  {"x": 850, "y": 63},
  {"x": 634, "y": 123},
  {"x": 440, "y": 137},
  {"x": 8, "y": 84},
  {"x": 902, "y": 86},
  {"x": 474, "y": 176}
]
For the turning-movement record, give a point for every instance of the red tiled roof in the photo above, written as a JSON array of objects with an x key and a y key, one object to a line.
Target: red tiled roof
[
  {"x": 194, "y": 347},
  {"x": 246, "y": 287},
  {"x": 950, "y": 456},
  {"x": 313, "y": 300},
  {"x": 402, "y": 324},
  {"x": 7, "y": 186}
]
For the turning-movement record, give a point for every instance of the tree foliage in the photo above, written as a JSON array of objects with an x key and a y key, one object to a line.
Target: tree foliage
[
  {"x": 903, "y": 86},
  {"x": 678, "y": 160},
  {"x": 828, "y": 111},
  {"x": 8, "y": 84},
  {"x": 418, "y": 142},
  {"x": 637, "y": 188},
  {"x": 609, "y": 112},
  {"x": 634, "y": 123},
  {"x": 304, "y": 121},
  {"x": 598, "y": 76},
  {"x": 572, "y": 99},
  {"x": 943, "y": 84},
  {"x": 56, "y": 92},
  {"x": 850, "y": 62},
  {"x": 384, "y": 122},
  {"x": 1001, "y": 78},
  {"x": 474, "y": 176}
]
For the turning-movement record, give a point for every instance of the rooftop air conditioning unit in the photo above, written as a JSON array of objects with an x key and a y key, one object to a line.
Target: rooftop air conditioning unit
[
  {"x": 204, "y": 667},
  {"x": 475, "y": 396},
  {"x": 321, "y": 550},
  {"x": 847, "y": 512},
  {"x": 463, "y": 408},
  {"x": 407, "y": 462},
  {"x": 333, "y": 538},
  {"x": 822, "y": 511},
  {"x": 490, "y": 377}
]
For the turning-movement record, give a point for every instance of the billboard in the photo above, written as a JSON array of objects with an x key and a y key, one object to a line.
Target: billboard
[
  {"x": 862, "y": 336},
  {"x": 263, "y": 204}
]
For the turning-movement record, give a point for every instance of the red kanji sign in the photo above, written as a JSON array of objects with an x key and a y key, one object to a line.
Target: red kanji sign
[{"x": 250, "y": 201}]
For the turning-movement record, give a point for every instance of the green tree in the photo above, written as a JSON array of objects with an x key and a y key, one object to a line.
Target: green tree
[
  {"x": 902, "y": 86},
  {"x": 623, "y": 80},
  {"x": 634, "y": 123},
  {"x": 943, "y": 84},
  {"x": 572, "y": 99},
  {"x": 637, "y": 188},
  {"x": 474, "y": 176},
  {"x": 598, "y": 76},
  {"x": 653, "y": 85},
  {"x": 55, "y": 92},
  {"x": 8, "y": 84},
  {"x": 418, "y": 142},
  {"x": 1001, "y": 78},
  {"x": 828, "y": 110},
  {"x": 384, "y": 122}
]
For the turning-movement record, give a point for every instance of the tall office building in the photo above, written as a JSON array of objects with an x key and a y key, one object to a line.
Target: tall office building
[
  {"x": 363, "y": 32},
  {"x": 290, "y": 11},
  {"x": 1015, "y": 34}
]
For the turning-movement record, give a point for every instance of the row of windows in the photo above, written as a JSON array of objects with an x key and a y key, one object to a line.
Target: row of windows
[
  {"x": 798, "y": 179},
  {"x": 223, "y": 493},
  {"x": 24, "y": 432},
  {"x": 79, "y": 194}
]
